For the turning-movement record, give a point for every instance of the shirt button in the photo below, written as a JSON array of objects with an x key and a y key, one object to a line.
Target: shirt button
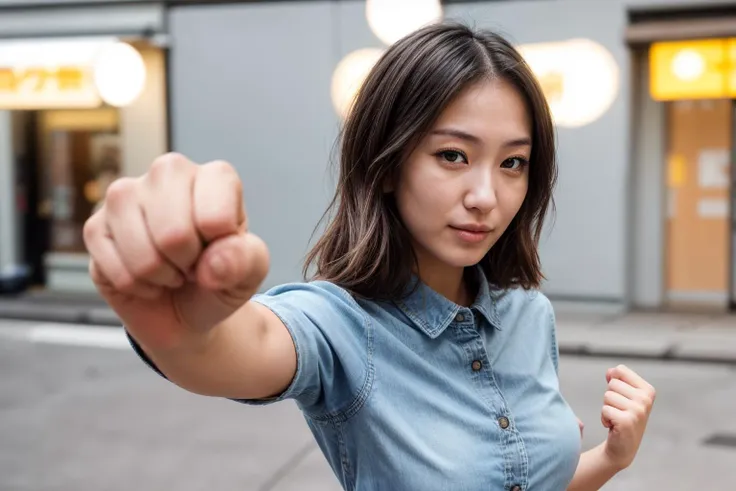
[
  {"x": 459, "y": 317},
  {"x": 477, "y": 365},
  {"x": 503, "y": 421}
]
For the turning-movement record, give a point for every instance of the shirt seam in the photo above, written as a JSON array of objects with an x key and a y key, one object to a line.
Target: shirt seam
[{"x": 344, "y": 414}]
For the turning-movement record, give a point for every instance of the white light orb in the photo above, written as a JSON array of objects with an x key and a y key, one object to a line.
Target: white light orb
[
  {"x": 688, "y": 65},
  {"x": 580, "y": 78},
  {"x": 391, "y": 20},
  {"x": 349, "y": 75},
  {"x": 119, "y": 74}
]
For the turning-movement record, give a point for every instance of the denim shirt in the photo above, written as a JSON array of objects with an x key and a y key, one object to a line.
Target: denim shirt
[{"x": 423, "y": 394}]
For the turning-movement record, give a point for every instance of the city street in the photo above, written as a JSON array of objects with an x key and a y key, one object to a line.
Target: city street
[{"x": 80, "y": 412}]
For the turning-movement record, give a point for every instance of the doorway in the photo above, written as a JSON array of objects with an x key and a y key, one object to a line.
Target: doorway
[
  {"x": 65, "y": 160},
  {"x": 698, "y": 203}
]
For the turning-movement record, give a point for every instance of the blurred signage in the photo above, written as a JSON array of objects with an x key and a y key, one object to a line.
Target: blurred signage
[
  {"x": 45, "y": 74},
  {"x": 45, "y": 88},
  {"x": 579, "y": 78},
  {"x": 699, "y": 69}
]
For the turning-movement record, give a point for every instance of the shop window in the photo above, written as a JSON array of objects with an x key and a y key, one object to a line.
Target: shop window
[{"x": 81, "y": 157}]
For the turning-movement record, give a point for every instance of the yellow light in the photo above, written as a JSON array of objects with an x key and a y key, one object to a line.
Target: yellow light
[
  {"x": 580, "y": 79},
  {"x": 688, "y": 65},
  {"x": 349, "y": 76},
  {"x": 390, "y": 20},
  {"x": 120, "y": 74},
  {"x": 698, "y": 69}
]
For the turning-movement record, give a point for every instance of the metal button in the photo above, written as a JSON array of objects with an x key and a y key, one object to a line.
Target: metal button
[
  {"x": 477, "y": 365},
  {"x": 459, "y": 317},
  {"x": 503, "y": 422},
  {"x": 516, "y": 488}
]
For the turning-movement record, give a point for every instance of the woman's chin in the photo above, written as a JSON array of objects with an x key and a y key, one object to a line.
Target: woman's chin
[{"x": 464, "y": 258}]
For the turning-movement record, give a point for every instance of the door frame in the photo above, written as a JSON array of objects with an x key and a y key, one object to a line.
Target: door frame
[{"x": 732, "y": 217}]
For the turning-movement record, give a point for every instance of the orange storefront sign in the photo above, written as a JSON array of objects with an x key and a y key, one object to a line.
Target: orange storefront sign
[
  {"x": 699, "y": 69},
  {"x": 41, "y": 88}
]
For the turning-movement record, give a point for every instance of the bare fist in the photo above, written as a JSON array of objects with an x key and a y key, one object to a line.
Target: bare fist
[
  {"x": 627, "y": 405},
  {"x": 171, "y": 252}
]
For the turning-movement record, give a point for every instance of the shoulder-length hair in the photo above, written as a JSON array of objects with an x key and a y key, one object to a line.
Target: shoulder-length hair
[{"x": 365, "y": 248}]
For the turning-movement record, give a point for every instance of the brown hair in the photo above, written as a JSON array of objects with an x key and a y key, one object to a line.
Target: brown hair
[{"x": 366, "y": 248}]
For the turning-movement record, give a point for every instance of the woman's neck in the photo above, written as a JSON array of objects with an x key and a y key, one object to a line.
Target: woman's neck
[{"x": 447, "y": 281}]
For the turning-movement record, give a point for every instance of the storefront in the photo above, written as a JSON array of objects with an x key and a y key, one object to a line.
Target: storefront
[
  {"x": 83, "y": 100},
  {"x": 644, "y": 200},
  {"x": 683, "y": 153}
]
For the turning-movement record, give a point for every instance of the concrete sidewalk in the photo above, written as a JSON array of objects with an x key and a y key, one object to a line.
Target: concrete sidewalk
[
  {"x": 688, "y": 337},
  {"x": 657, "y": 335}
]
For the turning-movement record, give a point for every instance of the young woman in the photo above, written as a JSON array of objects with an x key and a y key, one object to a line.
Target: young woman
[{"x": 421, "y": 354}]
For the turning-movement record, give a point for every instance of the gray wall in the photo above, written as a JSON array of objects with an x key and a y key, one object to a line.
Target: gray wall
[{"x": 250, "y": 83}]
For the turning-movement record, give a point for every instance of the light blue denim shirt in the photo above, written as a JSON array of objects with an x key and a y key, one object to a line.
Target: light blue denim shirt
[{"x": 423, "y": 394}]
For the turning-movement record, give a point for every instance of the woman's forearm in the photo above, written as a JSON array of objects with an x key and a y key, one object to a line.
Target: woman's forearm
[{"x": 594, "y": 470}]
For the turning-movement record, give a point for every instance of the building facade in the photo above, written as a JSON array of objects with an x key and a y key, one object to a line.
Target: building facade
[{"x": 644, "y": 201}]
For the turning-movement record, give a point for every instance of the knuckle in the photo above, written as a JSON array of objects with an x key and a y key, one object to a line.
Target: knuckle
[
  {"x": 224, "y": 170},
  {"x": 91, "y": 228},
  {"x": 120, "y": 192},
  {"x": 167, "y": 163},
  {"x": 222, "y": 167},
  {"x": 168, "y": 160}
]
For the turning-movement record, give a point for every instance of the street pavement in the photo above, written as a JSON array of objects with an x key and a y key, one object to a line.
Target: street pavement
[{"x": 80, "y": 412}]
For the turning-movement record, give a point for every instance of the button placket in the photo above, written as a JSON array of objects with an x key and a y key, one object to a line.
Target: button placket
[{"x": 512, "y": 441}]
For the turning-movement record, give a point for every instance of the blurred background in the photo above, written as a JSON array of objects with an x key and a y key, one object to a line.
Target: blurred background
[{"x": 640, "y": 259}]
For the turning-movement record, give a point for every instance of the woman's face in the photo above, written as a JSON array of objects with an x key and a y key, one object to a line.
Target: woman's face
[{"x": 459, "y": 190}]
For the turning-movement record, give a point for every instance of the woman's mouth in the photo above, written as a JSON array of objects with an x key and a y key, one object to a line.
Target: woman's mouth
[{"x": 471, "y": 234}]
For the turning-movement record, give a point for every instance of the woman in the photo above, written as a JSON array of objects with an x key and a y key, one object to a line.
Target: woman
[{"x": 421, "y": 354}]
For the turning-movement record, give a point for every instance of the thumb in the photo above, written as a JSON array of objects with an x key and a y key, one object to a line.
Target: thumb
[
  {"x": 228, "y": 273},
  {"x": 235, "y": 265}
]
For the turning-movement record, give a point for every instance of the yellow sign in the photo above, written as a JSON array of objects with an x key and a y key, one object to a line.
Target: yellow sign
[
  {"x": 702, "y": 69},
  {"x": 676, "y": 171},
  {"x": 44, "y": 88},
  {"x": 50, "y": 73}
]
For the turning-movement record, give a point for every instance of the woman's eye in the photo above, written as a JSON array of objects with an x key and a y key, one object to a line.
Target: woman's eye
[
  {"x": 514, "y": 163},
  {"x": 453, "y": 157}
]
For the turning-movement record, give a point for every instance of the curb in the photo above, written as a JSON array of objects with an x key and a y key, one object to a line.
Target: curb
[
  {"x": 105, "y": 317},
  {"x": 670, "y": 355}
]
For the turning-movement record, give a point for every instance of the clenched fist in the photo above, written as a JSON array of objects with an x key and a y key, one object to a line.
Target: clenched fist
[
  {"x": 171, "y": 252},
  {"x": 626, "y": 407}
]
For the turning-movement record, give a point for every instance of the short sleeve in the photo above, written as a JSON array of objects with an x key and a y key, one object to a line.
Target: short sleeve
[{"x": 331, "y": 336}]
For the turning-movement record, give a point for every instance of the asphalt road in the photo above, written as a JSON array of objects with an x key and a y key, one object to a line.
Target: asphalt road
[{"x": 94, "y": 418}]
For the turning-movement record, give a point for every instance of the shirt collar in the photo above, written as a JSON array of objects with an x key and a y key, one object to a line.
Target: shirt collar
[{"x": 432, "y": 313}]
